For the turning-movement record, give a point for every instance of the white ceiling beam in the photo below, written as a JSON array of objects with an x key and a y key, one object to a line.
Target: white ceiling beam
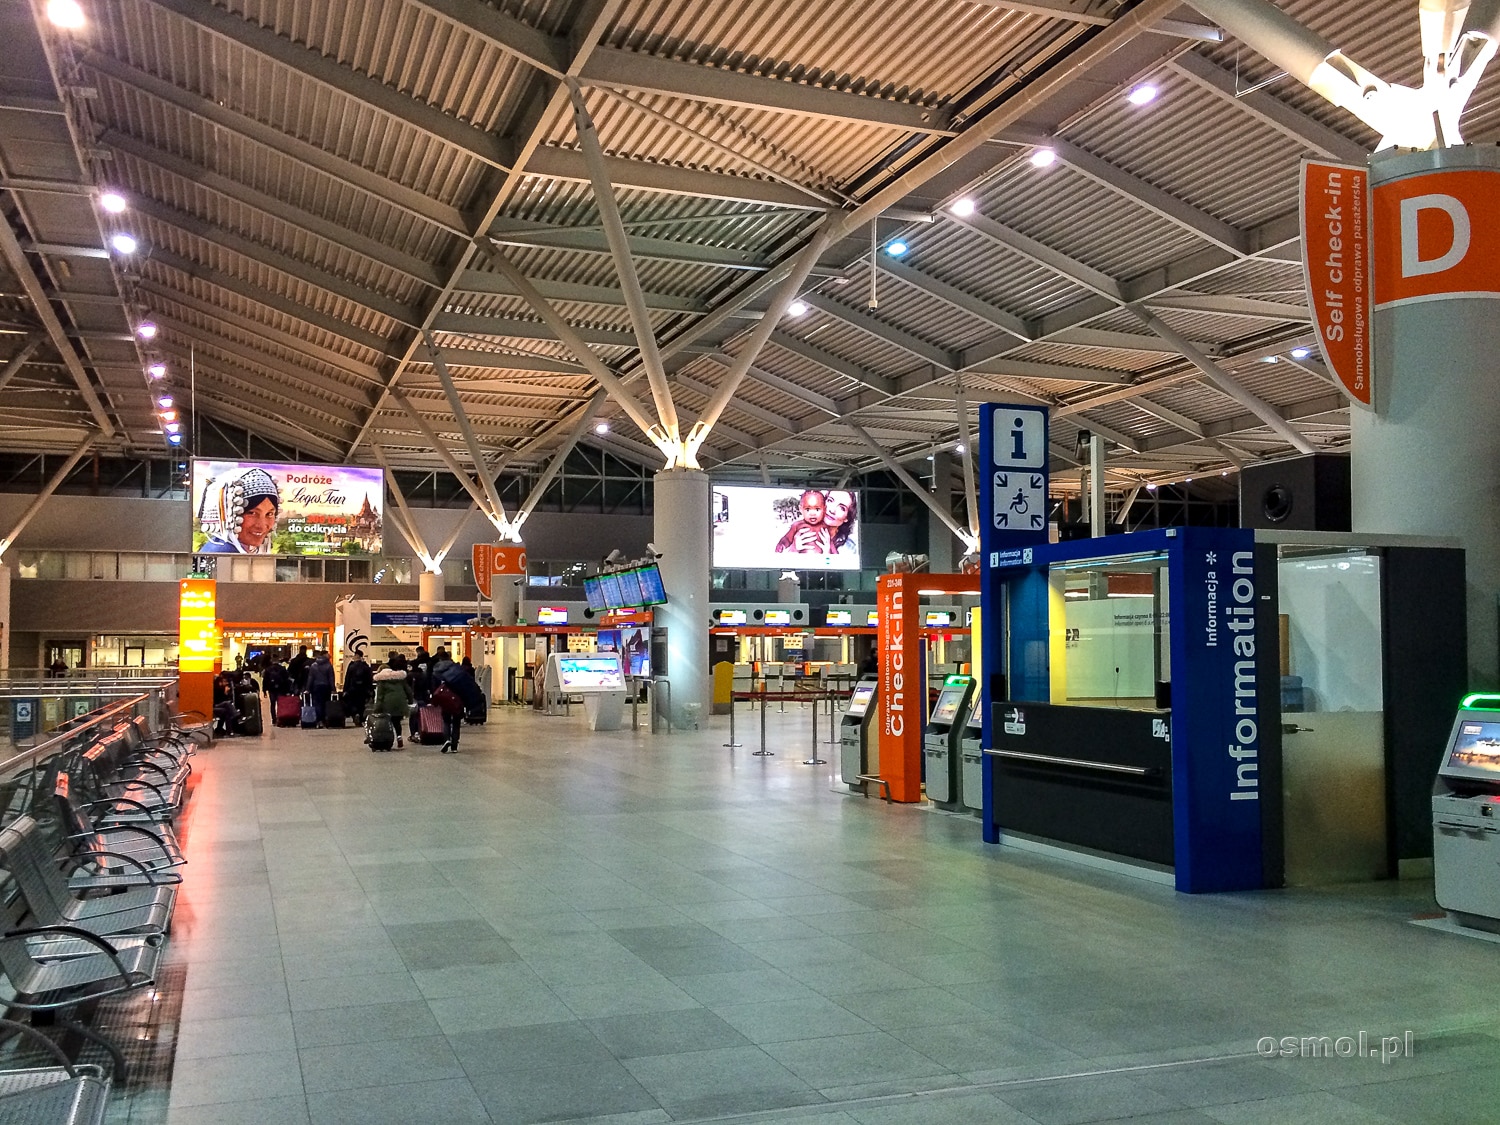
[
  {"x": 1065, "y": 266},
  {"x": 504, "y": 361},
  {"x": 590, "y": 240},
  {"x": 13, "y": 256},
  {"x": 1168, "y": 415},
  {"x": 831, "y": 362},
  {"x": 1031, "y": 369},
  {"x": 274, "y": 259},
  {"x": 1147, "y": 195},
  {"x": 884, "y": 332},
  {"x": 1269, "y": 109},
  {"x": 956, "y": 298},
  {"x": 259, "y": 295},
  {"x": 1225, "y": 304},
  {"x": 328, "y": 72},
  {"x": 512, "y": 328},
  {"x": 760, "y": 414},
  {"x": 784, "y": 385},
  {"x": 494, "y": 284},
  {"x": 655, "y": 74},
  {"x": 552, "y": 163}
]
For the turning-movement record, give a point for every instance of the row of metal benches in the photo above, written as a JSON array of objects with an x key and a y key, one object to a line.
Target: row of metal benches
[{"x": 93, "y": 872}]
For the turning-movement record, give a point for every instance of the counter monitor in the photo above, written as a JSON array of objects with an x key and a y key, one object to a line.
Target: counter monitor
[
  {"x": 731, "y": 617},
  {"x": 551, "y": 615},
  {"x": 778, "y": 617},
  {"x": 938, "y": 617},
  {"x": 839, "y": 617},
  {"x": 872, "y": 618}
]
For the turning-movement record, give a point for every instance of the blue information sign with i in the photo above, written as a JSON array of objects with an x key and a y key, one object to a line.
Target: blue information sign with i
[{"x": 1013, "y": 504}]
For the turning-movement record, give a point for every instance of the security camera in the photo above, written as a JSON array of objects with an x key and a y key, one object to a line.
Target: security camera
[
  {"x": 655, "y": 553},
  {"x": 614, "y": 556}
]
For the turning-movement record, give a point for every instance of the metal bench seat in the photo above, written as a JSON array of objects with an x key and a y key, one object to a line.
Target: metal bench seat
[
  {"x": 62, "y": 1093},
  {"x": 44, "y": 889},
  {"x": 111, "y": 800},
  {"x": 122, "y": 848}
]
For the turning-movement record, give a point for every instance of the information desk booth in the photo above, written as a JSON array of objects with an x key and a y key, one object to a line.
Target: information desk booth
[
  {"x": 1187, "y": 700},
  {"x": 940, "y": 741},
  {"x": 859, "y": 754},
  {"x": 1466, "y": 817},
  {"x": 599, "y": 677}
]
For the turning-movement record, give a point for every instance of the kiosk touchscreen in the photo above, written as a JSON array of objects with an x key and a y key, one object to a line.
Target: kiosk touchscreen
[
  {"x": 971, "y": 772},
  {"x": 597, "y": 676},
  {"x": 940, "y": 741},
  {"x": 1466, "y": 817},
  {"x": 857, "y": 754}
]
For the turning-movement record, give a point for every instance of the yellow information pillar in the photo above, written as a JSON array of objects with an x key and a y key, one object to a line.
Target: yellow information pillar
[{"x": 198, "y": 644}]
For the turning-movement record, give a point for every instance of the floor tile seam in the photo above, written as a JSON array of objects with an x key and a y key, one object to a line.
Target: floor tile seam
[{"x": 280, "y": 959}]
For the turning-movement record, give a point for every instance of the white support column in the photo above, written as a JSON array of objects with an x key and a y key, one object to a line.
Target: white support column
[
  {"x": 940, "y": 556},
  {"x": 683, "y": 530},
  {"x": 430, "y": 590},
  {"x": 1427, "y": 462},
  {"x": 471, "y": 439},
  {"x": 1097, "y": 511},
  {"x": 4, "y": 617}
]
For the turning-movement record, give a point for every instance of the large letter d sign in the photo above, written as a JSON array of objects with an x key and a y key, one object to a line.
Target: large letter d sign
[{"x": 1413, "y": 264}]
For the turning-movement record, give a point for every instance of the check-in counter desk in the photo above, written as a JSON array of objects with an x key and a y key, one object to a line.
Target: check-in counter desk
[{"x": 1091, "y": 777}]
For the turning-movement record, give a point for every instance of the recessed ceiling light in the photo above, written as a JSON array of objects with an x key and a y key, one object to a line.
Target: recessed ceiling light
[
  {"x": 895, "y": 249},
  {"x": 1270, "y": 359},
  {"x": 66, "y": 14},
  {"x": 1187, "y": 480},
  {"x": 960, "y": 448},
  {"x": 165, "y": 402},
  {"x": 146, "y": 330},
  {"x": 963, "y": 208},
  {"x": 797, "y": 308},
  {"x": 1151, "y": 487},
  {"x": 172, "y": 427},
  {"x": 175, "y": 439},
  {"x": 123, "y": 243},
  {"x": 113, "y": 202},
  {"x": 169, "y": 415},
  {"x": 1301, "y": 353},
  {"x": 1144, "y": 94},
  {"x": 157, "y": 370},
  {"x": 1043, "y": 158},
  {"x": 601, "y": 427}
]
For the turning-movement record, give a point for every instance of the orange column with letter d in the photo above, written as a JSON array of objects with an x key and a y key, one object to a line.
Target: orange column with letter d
[{"x": 197, "y": 644}]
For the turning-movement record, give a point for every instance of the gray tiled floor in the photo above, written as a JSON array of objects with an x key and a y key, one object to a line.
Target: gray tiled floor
[{"x": 556, "y": 925}]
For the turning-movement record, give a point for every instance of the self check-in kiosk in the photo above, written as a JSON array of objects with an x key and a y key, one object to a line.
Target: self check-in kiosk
[
  {"x": 971, "y": 754},
  {"x": 940, "y": 741},
  {"x": 858, "y": 754},
  {"x": 1466, "y": 817}
]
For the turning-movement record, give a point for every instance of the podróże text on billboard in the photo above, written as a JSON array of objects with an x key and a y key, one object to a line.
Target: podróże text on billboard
[
  {"x": 786, "y": 528},
  {"x": 264, "y": 508}
]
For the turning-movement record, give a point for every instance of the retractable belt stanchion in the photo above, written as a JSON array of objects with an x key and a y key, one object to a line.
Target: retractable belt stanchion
[
  {"x": 762, "y": 752},
  {"x": 732, "y": 744},
  {"x": 815, "y": 760},
  {"x": 833, "y": 727}
]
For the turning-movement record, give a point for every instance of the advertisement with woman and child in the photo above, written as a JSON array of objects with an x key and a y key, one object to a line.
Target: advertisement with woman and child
[{"x": 786, "y": 528}]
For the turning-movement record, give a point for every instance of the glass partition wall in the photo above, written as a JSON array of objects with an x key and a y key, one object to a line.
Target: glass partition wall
[{"x": 1109, "y": 632}]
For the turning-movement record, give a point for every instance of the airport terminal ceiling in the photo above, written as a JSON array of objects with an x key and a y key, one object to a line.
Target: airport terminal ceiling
[{"x": 340, "y": 208}]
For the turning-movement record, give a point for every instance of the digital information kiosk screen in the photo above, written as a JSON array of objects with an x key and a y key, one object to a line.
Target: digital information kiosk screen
[
  {"x": 596, "y": 671},
  {"x": 946, "y": 710},
  {"x": 1475, "y": 751},
  {"x": 859, "y": 701}
]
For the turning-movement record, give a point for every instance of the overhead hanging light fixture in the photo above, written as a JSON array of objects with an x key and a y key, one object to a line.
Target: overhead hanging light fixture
[
  {"x": 113, "y": 202},
  {"x": 146, "y": 330},
  {"x": 66, "y": 14},
  {"x": 123, "y": 243},
  {"x": 157, "y": 371}
]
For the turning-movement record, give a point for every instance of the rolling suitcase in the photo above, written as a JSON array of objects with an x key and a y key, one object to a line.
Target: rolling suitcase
[
  {"x": 309, "y": 712},
  {"x": 476, "y": 713},
  {"x": 288, "y": 711},
  {"x": 250, "y": 718},
  {"x": 333, "y": 714},
  {"x": 432, "y": 728},
  {"x": 380, "y": 732}
]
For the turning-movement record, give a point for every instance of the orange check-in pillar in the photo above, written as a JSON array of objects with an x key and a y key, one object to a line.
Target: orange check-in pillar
[
  {"x": 903, "y": 673},
  {"x": 198, "y": 644}
]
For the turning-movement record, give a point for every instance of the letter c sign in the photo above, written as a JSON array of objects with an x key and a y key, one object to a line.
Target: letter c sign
[{"x": 1413, "y": 264}]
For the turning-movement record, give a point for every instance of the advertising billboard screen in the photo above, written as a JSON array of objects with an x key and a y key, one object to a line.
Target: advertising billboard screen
[
  {"x": 786, "y": 528},
  {"x": 267, "y": 508}
]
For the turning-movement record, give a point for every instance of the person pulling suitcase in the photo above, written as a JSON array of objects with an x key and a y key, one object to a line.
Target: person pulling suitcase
[
  {"x": 393, "y": 696},
  {"x": 456, "y": 693}
]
